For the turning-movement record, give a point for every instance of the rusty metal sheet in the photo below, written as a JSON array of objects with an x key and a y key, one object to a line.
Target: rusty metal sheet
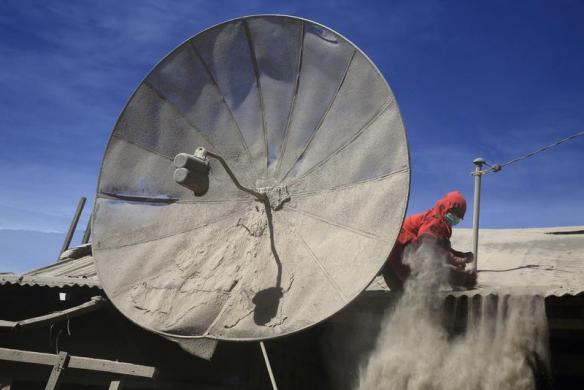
[{"x": 297, "y": 111}]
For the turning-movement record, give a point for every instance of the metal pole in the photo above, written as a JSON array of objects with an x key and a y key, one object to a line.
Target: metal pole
[
  {"x": 87, "y": 233},
  {"x": 268, "y": 366},
  {"x": 478, "y": 163},
  {"x": 73, "y": 225}
]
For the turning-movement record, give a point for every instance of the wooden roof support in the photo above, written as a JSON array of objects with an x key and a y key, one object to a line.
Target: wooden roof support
[
  {"x": 54, "y": 381},
  {"x": 116, "y": 384},
  {"x": 79, "y": 362},
  {"x": 75, "y": 311}
]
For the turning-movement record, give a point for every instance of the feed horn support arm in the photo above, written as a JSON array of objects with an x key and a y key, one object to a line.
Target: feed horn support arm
[{"x": 192, "y": 171}]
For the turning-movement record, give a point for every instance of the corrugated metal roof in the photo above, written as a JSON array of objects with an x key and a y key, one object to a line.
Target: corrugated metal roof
[
  {"x": 47, "y": 281},
  {"x": 69, "y": 272},
  {"x": 546, "y": 261},
  {"x": 542, "y": 261},
  {"x": 73, "y": 268}
]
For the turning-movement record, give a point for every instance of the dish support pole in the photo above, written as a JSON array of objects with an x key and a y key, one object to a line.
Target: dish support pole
[{"x": 268, "y": 366}]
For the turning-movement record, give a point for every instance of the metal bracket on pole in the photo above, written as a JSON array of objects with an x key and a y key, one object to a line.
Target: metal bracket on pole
[
  {"x": 478, "y": 173},
  {"x": 268, "y": 366}
]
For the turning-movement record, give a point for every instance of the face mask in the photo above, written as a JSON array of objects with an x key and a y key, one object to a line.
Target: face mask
[{"x": 451, "y": 219}]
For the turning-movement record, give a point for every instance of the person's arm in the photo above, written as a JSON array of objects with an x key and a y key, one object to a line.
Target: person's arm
[
  {"x": 457, "y": 253},
  {"x": 437, "y": 231},
  {"x": 467, "y": 257}
]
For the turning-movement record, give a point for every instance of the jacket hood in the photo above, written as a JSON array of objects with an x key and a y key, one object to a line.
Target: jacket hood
[{"x": 452, "y": 200}]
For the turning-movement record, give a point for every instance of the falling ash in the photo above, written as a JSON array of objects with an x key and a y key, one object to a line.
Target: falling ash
[{"x": 504, "y": 345}]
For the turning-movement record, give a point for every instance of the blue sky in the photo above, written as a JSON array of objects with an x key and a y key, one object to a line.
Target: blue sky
[{"x": 482, "y": 78}]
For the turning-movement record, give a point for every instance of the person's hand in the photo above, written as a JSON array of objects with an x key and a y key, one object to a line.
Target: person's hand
[
  {"x": 459, "y": 263},
  {"x": 469, "y": 257},
  {"x": 470, "y": 279}
]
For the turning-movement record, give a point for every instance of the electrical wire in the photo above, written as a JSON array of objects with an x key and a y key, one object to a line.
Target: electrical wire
[{"x": 498, "y": 167}]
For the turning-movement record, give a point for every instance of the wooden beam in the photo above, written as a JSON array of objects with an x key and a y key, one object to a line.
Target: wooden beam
[
  {"x": 78, "y": 362},
  {"x": 60, "y": 365},
  {"x": 15, "y": 355},
  {"x": 116, "y": 384},
  {"x": 112, "y": 367},
  {"x": 75, "y": 311},
  {"x": 7, "y": 324},
  {"x": 80, "y": 379}
]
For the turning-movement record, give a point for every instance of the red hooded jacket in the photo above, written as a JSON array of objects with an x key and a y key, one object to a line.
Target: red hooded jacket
[{"x": 429, "y": 223}]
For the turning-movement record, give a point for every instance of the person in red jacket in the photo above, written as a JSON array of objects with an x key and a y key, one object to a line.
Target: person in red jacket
[{"x": 432, "y": 226}]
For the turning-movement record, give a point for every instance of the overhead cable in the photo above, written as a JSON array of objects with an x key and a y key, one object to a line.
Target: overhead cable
[{"x": 498, "y": 167}]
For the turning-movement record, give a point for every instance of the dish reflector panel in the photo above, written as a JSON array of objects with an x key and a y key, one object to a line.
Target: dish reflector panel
[{"x": 298, "y": 113}]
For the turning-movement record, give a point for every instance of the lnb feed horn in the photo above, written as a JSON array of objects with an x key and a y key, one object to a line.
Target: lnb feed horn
[
  {"x": 192, "y": 162},
  {"x": 192, "y": 172}
]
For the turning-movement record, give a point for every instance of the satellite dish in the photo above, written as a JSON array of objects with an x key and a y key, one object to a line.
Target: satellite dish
[{"x": 288, "y": 110}]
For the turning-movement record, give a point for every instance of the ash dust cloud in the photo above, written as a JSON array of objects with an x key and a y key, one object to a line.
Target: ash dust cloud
[{"x": 503, "y": 344}]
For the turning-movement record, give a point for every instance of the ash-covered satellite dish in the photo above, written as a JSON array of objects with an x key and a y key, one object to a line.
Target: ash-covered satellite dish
[{"x": 300, "y": 186}]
